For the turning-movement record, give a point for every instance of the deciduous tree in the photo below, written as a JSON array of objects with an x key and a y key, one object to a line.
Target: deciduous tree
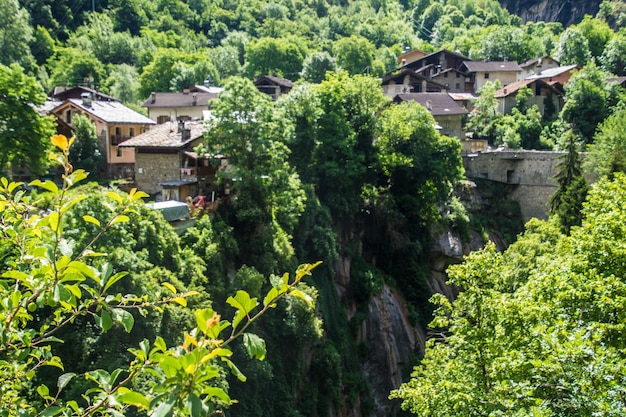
[{"x": 24, "y": 133}]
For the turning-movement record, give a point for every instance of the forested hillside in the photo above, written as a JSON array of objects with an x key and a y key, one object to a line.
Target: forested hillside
[{"x": 107, "y": 309}]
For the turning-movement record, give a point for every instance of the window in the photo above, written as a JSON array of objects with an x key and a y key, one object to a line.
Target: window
[
  {"x": 118, "y": 151},
  {"x": 458, "y": 75},
  {"x": 537, "y": 90},
  {"x": 131, "y": 132},
  {"x": 445, "y": 75},
  {"x": 458, "y": 86},
  {"x": 68, "y": 116},
  {"x": 163, "y": 119},
  {"x": 118, "y": 131},
  {"x": 486, "y": 75}
]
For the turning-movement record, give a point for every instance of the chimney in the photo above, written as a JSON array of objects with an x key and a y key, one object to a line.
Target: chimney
[
  {"x": 185, "y": 134},
  {"x": 429, "y": 105},
  {"x": 195, "y": 99},
  {"x": 152, "y": 98},
  {"x": 86, "y": 97}
]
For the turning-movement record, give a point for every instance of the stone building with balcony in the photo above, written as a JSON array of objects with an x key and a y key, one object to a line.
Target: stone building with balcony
[{"x": 167, "y": 166}]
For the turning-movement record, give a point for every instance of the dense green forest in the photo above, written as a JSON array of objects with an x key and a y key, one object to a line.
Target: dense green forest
[{"x": 105, "y": 309}]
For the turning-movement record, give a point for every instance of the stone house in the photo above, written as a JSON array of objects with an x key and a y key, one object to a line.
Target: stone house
[
  {"x": 448, "y": 114},
  {"x": 411, "y": 56},
  {"x": 480, "y": 72},
  {"x": 191, "y": 104},
  {"x": 453, "y": 81},
  {"x": 557, "y": 75},
  {"x": 537, "y": 65},
  {"x": 408, "y": 81},
  {"x": 166, "y": 165},
  {"x": 65, "y": 93},
  {"x": 115, "y": 123},
  {"x": 273, "y": 85},
  {"x": 542, "y": 92},
  {"x": 431, "y": 64}
]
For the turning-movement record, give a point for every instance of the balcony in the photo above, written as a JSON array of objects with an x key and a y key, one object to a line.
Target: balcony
[
  {"x": 117, "y": 139},
  {"x": 188, "y": 172}
]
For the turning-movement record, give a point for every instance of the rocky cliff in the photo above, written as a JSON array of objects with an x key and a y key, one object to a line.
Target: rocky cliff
[{"x": 565, "y": 11}]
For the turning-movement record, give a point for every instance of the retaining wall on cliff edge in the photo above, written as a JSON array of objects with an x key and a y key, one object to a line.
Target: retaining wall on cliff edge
[{"x": 530, "y": 174}]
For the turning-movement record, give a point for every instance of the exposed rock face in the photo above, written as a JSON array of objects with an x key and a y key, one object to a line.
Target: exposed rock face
[
  {"x": 392, "y": 341},
  {"x": 565, "y": 11}
]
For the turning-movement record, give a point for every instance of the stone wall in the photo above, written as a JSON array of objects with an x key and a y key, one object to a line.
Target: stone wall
[
  {"x": 152, "y": 168},
  {"x": 530, "y": 174}
]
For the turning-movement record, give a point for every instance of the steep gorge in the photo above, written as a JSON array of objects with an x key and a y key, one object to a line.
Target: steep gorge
[{"x": 563, "y": 11}]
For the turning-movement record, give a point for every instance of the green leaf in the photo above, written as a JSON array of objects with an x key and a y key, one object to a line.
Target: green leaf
[
  {"x": 233, "y": 368},
  {"x": 60, "y": 293},
  {"x": 64, "y": 379},
  {"x": 170, "y": 287},
  {"x": 301, "y": 295},
  {"x": 180, "y": 300},
  {"x": 122, "y": 218},
  {"x": 124, "y": 318},
  {"x": 51, "y": 411},
  {"x": 53, "y": 221},
  {"x": 164, "y": 409},
  {"x": 195, "y": 406},
  {"x": 48, "y": 185},
  {"x": 255, "y": 346},
  {"x": 135, "y": 399},
  {"x": 43, "y": 391},
  {"x": 270, "y": 297},
  {"x": 104, "y": 321},
  {"x": 217, "y": 393},
  {"x": 244, "y": 305},
  {"x": 91, "y": 219},
  {"x": 114, "y": 196},
  {"x": 114, "y": 279},
  {"x": 75, "y": 177}
]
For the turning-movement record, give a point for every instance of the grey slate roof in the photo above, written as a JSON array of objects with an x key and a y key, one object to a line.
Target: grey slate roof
[
  {"x": 179, "y": 99},
  {"x": 441, "y": 104},
  {"x": 165, "y": 135},
  {"x": 492, "y": 66},
  {"x": 552, "y": 72},
  {"x": 112, "y": 112}
]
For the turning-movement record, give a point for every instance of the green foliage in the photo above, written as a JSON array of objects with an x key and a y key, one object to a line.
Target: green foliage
[
  {"x": 15, "y": 34},
  {"x": 356, "y": 55},
  {"x": 573, "y": 47},
  {"x": 345, "y": 132},
  {"x": 567, "y": 200},
  {"x": 24, "y": 134},
  {"x": 316, "y": 65},
  {"x": 516, "y": 341},
  {"x": 268, "y": 56},
  {"x": 598, "y": 34},
  {"x": 607, "y": 153},
  {"x": 586, "y": 101},
  {"x": 85, "y": 152},
  {"x": 613, "y": 57}
]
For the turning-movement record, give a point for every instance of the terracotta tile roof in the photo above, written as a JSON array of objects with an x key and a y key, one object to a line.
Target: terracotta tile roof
[
  {"x": 111, "y": 112},
  {"x": 165, "y": 135},
  {"x": 180, "y": 99},
  {"x": 440, "y": 104},
  {"x": 515, "y": 86},
  {"x": 493, "y": 66}
]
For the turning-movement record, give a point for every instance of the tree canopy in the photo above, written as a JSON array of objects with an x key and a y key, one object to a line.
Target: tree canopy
[{"x": 536, "y": 330}]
